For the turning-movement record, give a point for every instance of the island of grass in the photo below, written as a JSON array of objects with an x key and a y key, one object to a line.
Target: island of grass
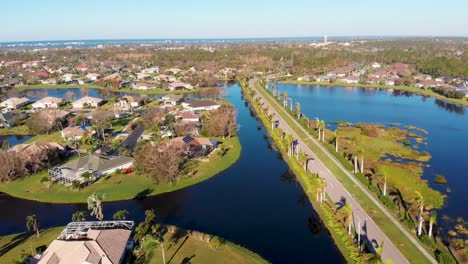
[
  {"x": 120, "y": 186},
  {"x": 385, "y": 154},
  {"x": 424, "y": 92},
  {"x": 95, "y": 86},
  {"x": 15, "y": 246}
]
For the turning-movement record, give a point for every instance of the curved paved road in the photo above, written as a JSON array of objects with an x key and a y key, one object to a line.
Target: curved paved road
[{"x": 371, "y": 234}]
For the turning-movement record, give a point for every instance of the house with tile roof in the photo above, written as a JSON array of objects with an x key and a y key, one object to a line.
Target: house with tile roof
[{"x": 98, "y": 242}]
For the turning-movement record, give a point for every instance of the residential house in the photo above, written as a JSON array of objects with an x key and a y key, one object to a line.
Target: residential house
[
  {"x": 141, "y": 76},
  {"x": 350, "y": 79},
  {"x": 165, "y": 78},
  {"x": 87, "y": 102},
  {"x": 95, "y": 165},
  {"x": 172, "y": 99},
  {"x": 195, "y": 147},
  {"x": 373, "y": 80},
  {"x": 392, "y": 81},
  {"x": 67, "y": 77},
  {"x": 93, "y": 76},
  {"x": 128, "y": 103},
  {"x": 200, "y": 105},
  {"x": 14, "y": 103},
  {"x": 14, "y": 81},
  {"x": 50, "y": 81},
  {"x": 172, "y": 71},
  {"x": 342, "y": 71},
  {"x": 47, "y": 102},
  {"x": 375, "y": 65},
  {"x": 325, "y": 78},
  {"x": 76, "y": 132},
  {"x": 82, "y": 68},
  {"x": 143, "y": 86},
  {"x": 36, "y": 152},
  {"x": 306, "y": 78},
  {"x": 429, "y": 84},
  {"x": 7, "y": 120},
  {"x": 187, "y": 116},
  {"x": 151, "y": 70},
  {"x": 179, "y": 86},
  {"x": 41, "y": 75},
  {"x": 99, "y": 242}
]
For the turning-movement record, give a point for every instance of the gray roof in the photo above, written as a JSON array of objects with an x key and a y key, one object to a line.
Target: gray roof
[{"x": 97, "y": 162}]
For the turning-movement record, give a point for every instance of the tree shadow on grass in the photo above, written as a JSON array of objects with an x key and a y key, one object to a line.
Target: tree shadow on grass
[
  {"x": 173, "y": 255},
  {"x": 14, "y": 242},
  {"x": 143, "y": 194}
]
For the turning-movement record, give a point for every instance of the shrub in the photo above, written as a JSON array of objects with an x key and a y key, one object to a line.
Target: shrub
[
  {"x": 445, "y": 258},
  {"x": 440, "y": 179},
  {"x": 428, "y": 241},
  {"x": 371, "y": 130}
]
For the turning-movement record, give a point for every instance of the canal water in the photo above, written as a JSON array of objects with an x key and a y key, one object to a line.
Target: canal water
[
  {"x": 37, "y": 94},
  {"x": 255, "y": 203},
  {"x": 14, "y": 139},
  {"x": 446, "y": 123}
]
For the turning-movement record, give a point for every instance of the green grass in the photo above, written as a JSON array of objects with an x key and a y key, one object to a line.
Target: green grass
[
  {"x": 176, "y": 250},
  {"x": 52, "y": 137},
  {"x": 119, "y": 186},
  {"x": 95, "y": 86},
  {"x": 17, "y": 130},
  {"x": 12, "y": 246},
  {"x": 409, "y": 250},
  {"x": 417, "y": 90}
]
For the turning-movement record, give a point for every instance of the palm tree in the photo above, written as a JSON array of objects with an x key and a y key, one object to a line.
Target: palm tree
[
  {"x": 291, "y": 105},
  {"x": 120, "y": 215},
  {"x": 160, "y": 241},
  {"x": 432, "y": 221},
  {"x": 303, "y": 159},
  {"x": 360, "y": 151},
  {"x": 385, "y": 175},
  {"x": 95, "y": 204},
  {"x": 147, "y": 245},
  {"x": 79, "y": 216},
  {"x": 298, "y": 110},
  {"x": 321, "y": 184},
  {"x": 322, "y": 125},
  {"x": 289, "y": 140},
  {"x": 33, "y": 223},
  {"x": 348, "y": 216},
  {"x": 337, "y": 137},
  {"x": 420, "y": 206}
]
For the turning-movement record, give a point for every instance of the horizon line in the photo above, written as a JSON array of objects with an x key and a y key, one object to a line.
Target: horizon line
[{"x": 246, "y": 38}]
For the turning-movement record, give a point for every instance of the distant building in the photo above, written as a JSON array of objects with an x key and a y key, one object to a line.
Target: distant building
[
  {"x": 87, "y": 102},
  {"x": 14, "y": 103},
  {"x": 187, "y": 116},
  {"x": 82, "y": 68},
  {"x": 99, "y": 242},
  {"x": 143, "y": 86},
  {"x": 200, "y": 105},
  {"x": 96, "y": 166},
  {"x": 47, "y": 102},
  {"x": 76, "y": 132},
  {"x": 172, "y": 99},
  {"x": 179, "y": 86},
  {"x": 92, "y": 76},
  {"x": 350, "y": 79}
]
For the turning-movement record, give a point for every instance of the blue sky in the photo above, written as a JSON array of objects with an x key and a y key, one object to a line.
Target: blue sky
[{"x": 106, "y": 19}]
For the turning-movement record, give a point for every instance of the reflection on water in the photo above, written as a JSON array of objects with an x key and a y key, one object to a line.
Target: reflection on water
[{"x": 454, "y": 108}]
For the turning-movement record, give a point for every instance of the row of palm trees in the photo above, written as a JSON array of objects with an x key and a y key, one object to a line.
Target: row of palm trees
[
  {"x": 359, "y": 166},
  {"x": 345, "y": 213}
]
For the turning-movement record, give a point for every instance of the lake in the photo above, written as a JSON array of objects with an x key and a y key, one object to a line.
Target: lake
[
  {"x": 446, "y": 123},
  {"x": 255, "y": 203}
]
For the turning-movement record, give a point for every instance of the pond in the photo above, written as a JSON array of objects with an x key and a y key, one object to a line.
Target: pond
[
  {"x": 446, "y": 123},
  {"x": 255, "y": 203}
]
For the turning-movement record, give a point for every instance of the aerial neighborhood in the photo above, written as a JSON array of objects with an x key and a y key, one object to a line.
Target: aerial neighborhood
[{"x": 123, "y": 123}]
